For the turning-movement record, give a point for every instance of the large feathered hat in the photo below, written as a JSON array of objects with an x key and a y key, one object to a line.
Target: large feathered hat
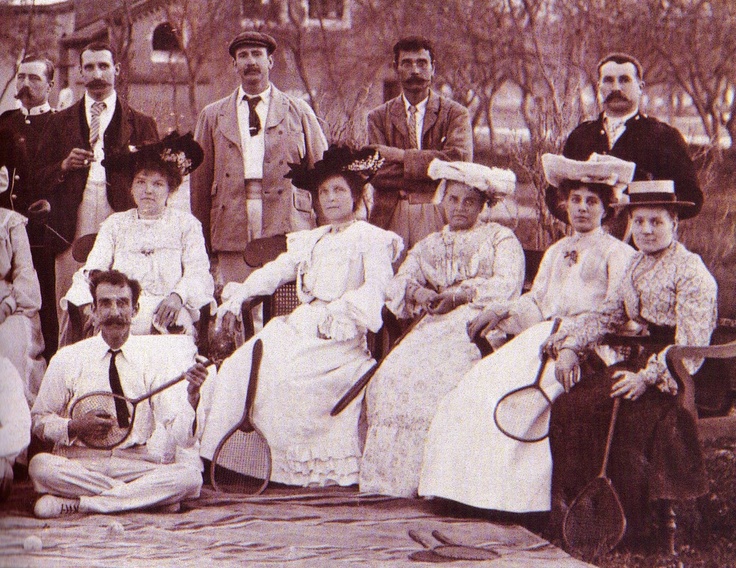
[
  {"x": 180, "y": 152},
  {"x": 364, "y": 162}
]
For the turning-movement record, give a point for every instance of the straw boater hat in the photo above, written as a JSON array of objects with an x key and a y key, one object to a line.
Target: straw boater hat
[
  {"x": 597, "y": 170},
  {"x": 364, "y": 163},
  {"x": 180, "y": 152},
  {"x": 494, "y": 183},
  {"x": 656, "y": 193}
]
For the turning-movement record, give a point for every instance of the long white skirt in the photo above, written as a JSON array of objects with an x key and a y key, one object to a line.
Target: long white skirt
[
  {"x": 21, "y": 342},
  {"x": 403, "y": 395},
  {"x": 300, "y": 380},
  {"x": 467, "y": 458}
]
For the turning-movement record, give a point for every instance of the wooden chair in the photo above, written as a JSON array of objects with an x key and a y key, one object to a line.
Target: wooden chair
[{"x": 709, "y": 427}]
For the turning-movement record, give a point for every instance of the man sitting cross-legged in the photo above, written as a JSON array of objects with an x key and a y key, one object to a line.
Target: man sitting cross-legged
[{"x": 158, "y": 464}]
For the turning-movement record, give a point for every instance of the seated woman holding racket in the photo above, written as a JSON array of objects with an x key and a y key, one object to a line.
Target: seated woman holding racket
[
  {"x": 312, "y": 356},
  {"x": 468, "y": 458},
  {"x": 449, "y": 275},
  {"x": 667, "y": 297},
  {"x": 161, "y": 247}
]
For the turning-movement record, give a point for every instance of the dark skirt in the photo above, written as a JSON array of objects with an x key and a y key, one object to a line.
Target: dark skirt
[{"x": 655, "y": 453}]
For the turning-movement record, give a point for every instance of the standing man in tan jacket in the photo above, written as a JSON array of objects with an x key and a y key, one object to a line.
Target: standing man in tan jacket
[
  {"x": 239, "y": 193},
  {"x": 410, "y": 131}
]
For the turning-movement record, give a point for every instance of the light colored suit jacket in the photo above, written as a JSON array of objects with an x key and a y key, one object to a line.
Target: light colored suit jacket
[
  {"x": 292, "y": 132},
  {"x": 446, "y": 135}
]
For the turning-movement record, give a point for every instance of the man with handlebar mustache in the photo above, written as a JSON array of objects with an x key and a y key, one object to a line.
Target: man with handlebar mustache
[
  {"x": 621, "y": 130},
  {"x": 68, "y": 169}
]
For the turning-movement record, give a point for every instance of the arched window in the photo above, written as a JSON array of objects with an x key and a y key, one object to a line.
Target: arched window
[{"x": 165, "y": 38}]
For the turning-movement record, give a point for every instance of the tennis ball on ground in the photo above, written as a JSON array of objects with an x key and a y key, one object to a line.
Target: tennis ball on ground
[
  {"x": 115, "y": 528},
  {"x": 32, "y": 543}
]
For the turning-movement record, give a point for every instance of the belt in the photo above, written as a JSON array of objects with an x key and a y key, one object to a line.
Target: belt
[{"x": 253, "y": 188}]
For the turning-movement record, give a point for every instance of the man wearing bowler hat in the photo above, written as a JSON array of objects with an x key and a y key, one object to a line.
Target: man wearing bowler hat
[{"x": 239, "y": 193}]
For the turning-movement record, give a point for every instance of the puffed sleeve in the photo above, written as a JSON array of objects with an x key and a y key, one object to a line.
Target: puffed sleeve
[
  {"x": 101, "y": 257},
  {"x": 196, "y": 285},
  {"x": 501, "y": 270},
  {"x": 361, "y": 307},
  {"x": 25, "y": 293}
]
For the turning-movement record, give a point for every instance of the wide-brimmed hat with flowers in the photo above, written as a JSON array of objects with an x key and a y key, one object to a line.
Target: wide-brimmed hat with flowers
[
  {"x": 598, "y": 170},
  {"x": 655, "y": 193},
  {"x": 494, "y": 183},
  {"x": 363, "y": 162},
  {"x": 175, "y": 150}
]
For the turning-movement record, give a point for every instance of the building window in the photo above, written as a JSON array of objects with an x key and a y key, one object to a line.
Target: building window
[{"x": 165, "y": 38}]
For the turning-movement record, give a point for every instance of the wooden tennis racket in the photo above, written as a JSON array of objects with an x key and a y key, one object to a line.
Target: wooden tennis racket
[
  {"x": 109, "y": 405},
  {"x": 523, "y": 414},
  {"x": 595, "y": 521},
  {"x": 352, "y": 393},
  {"x": 242, "y": 460}
]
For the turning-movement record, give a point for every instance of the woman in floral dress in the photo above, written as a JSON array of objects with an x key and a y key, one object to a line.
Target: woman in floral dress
[{"x": 452, "y": 275}]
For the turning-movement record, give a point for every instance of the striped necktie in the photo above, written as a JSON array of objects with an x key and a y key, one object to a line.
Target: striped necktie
[
  {"x": 94, "y": 126},
  {"x": 412, "y": 123}
]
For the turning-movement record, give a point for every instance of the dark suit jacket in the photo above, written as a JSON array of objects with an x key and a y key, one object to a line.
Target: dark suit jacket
[
  {"x": 18, "y": 143},
  {"x": 68, "y": 129},
  {"x": 658, "y": 150},
  {"x": 446, "y": 135}
]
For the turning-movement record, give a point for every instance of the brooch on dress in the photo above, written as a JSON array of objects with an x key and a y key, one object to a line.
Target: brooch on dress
[
  {"x": 571, "y": 256},
  {"x": 148, "y": 251}
]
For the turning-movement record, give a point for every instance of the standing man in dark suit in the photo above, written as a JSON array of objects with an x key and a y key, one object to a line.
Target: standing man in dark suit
[
  {"x": 249, "y": 138},
  {"x": 409, "y": 132},
  {"x": 68, "y": 168},
  {"x": 20, "y": 134},
  {"x": 621, "y": 130}
]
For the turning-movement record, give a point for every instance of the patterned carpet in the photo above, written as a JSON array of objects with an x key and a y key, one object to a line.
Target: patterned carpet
[{"x": 283, "y": 527}]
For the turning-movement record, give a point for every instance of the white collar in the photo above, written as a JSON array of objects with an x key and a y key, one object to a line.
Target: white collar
[
  {"x": 619, "y": 120},
  {"x": 265, "y": 95},
  {"x": 110, "y": 102},
  {"x": 40, "y": 109},
  {"x": 420, "y": 106}
]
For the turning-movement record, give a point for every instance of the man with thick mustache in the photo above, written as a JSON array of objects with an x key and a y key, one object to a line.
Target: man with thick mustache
[
  {"x": 68, "y": 170},
  {"x": 158, "y": 464},
  {"x": 249, "y": 138},
  {"x": 621, "y": 130},
  {"x": 410, "y": 131},
  {"x": 20, "y": 135}
]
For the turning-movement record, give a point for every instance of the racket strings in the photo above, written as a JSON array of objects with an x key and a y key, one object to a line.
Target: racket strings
[
  {"x": 595, "y": 522},
  {"x": 243, "y": 463},
  {"x": 107, "y": 405},
  {"x": 524, "y": 414}
]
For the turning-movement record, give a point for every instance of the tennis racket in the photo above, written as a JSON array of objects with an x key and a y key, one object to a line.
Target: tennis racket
[
  {"x": 595, "y": 522},
  {"x": 242, "y": 460},
  {"x": 523, "y": 414},
  {"x": 448, "y": 550},
  {"x": 352, "y": 393},
  {"x": 105, "y": 404}
]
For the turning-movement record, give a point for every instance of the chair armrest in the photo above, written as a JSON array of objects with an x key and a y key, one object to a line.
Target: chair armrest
[
  {"x": 679, "y": 372},
  {"x": 246, "y": 310}
]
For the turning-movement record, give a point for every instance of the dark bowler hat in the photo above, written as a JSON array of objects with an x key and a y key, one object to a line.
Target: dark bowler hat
[{"x": 252, "y": 38}]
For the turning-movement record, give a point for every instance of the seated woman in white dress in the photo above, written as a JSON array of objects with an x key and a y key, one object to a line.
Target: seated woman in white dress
[
  {"x": 161, "y": 247},
  {"x": 467, "y": 458},
  {"x": 312, "y": 356},
  {"x": 20, "y": 299},
  {"x": 451, "y": 274}
]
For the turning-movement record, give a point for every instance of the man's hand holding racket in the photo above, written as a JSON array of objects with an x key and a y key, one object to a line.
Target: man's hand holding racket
[
  {"x": 96, "y": 423},
  {"x": 196, "y": 375}
]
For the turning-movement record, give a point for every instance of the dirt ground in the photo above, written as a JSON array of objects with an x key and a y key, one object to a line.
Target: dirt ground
[{"x": 283, "y": 527}]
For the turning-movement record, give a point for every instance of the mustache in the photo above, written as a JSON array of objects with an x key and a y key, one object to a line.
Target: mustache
[
  {"x": 97, "y": 83},
  {"x": 23, "y": 92},
  {"x": 114, "y": 320},
  {"x": 252, "y": 68},
  {"x": 616, "y": 96}
]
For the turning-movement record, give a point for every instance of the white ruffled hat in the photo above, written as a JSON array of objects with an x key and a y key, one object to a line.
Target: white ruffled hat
[
  {"x": 599, "y": 168},
  {"x": 494, "y": 182}
]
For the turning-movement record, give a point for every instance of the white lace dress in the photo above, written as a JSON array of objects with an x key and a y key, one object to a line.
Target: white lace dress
[
  {"x": 341, "y": 281},
  {"x": 486, "y": 262},
  {"x": 467, "y": 458}
]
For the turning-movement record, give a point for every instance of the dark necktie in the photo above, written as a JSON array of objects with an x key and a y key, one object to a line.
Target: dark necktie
[
  {"x": 254, "y": 122},
  {"x": 121, "y": 407}
]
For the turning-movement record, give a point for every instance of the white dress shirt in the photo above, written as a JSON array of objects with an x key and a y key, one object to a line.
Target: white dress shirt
[
  {"x": 254, "y": 147},
  {"x": 615, "y": 126}
]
